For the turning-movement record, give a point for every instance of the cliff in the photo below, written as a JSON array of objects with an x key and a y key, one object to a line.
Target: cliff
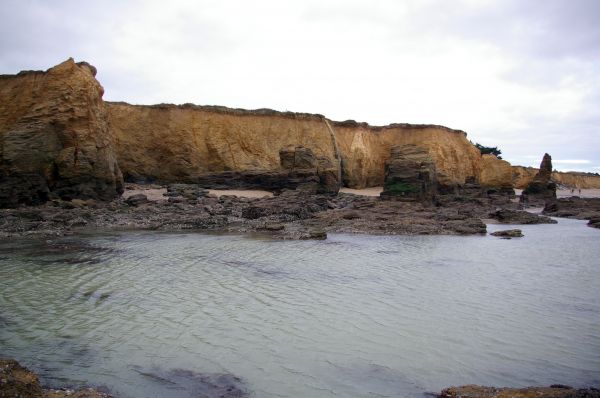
[
  {"x": 522, "y": 176},
  {"x": 496, "y": 173},
  {"x": 54, "y": 137},
  {"x": 58, "y": 138},
  {"x": 365, "y": 149},
  {"x": 171, "y": 143},
  {"x": 180, "y": 143}
]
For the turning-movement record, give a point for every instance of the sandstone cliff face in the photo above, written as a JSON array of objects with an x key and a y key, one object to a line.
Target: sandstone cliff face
[
  {"x": 170, "y": 143},
  {"x": 496, "y": 173},
  {"x": 522, "y": 176},
  {"x": 54, "y": 137},
  {"x": 180, "y": 143},
  {"x": 365, "y": 149}
]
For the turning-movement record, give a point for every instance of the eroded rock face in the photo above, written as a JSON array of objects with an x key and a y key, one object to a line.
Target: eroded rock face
[
  {"x": 542, "y": 187},
  {"x": 183, "y": 143},
  {"x": 410, "y": 175},
  {"x": 364, "y": 150},
  {"x": 54, "y": 137},
  {"x": 496, "y": 174}
]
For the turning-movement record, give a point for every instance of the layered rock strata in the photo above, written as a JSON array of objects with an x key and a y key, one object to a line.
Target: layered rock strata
[
  {"x": 410, "y": 175},
  {"x": 54, "y": 137},
  {"x": 365, "y": 149},
  {"x": 522, "y": 176}
]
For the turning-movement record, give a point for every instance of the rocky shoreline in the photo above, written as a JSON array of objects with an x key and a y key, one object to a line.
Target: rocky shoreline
[
  {"x": 292, "y": 214},
  {"x": 19, "y": 382}
]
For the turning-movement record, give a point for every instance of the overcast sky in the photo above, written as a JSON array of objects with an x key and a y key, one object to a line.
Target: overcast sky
[{"x": 523, "y": 75}]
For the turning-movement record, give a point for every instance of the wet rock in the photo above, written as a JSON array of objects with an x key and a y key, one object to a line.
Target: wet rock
[
  {"x": 575, "y": 207},
  {"x": 202, "y": 385},
  {"x": 594, "y": 222},
  {"x": 541, "y": 188},
  {"x": 555, "y": 391},
  {"x": 19, "y": 382},
  {"x": 410, "y": 175},
  {"x": 137, "y": 199},
  {"x": 508, "y": 233},
  {"x": 506, "y": 216}
]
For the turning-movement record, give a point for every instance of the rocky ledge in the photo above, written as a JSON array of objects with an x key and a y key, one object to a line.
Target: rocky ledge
[
  {"x": 302, "y": 213},
  {"x": 554, "y": 391},
  {"x": 575, "y": 207}
]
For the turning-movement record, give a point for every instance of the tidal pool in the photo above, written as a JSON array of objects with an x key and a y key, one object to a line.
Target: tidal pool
[{"x": 353, "y": 316}]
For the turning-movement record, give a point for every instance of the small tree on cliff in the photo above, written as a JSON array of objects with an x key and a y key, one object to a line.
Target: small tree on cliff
[{"x": 492, "y": 150}]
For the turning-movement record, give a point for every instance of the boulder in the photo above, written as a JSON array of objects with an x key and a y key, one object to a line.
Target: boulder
[
  {"x": 55, "y": 140},
  {"x": 410, "y": 175},
  {"x": 137, "y": 199},
  {"x": 541, "y": 188},
  {"x": 508, "y": 233}
]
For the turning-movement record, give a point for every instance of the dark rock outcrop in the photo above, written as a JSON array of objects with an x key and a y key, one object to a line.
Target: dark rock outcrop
[
  {"x": 19, "y": 382},
  {"x": 575, "y": 207},
  {"x": 554, "y": 391},
  {"x": 508, "y": 233},
  {"x": 507, "y": 216},
  {"x": 541, "y": 188},
  {"x": 410, "y": 175},
  {"x": 55, "y": 140}
]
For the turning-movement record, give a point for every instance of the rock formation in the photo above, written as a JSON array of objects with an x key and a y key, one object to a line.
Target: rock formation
[
  {"x": 365, "y": 149},
  {"x": 541, "y": 187},
  {"x": 496, "y": 174},
  {"x": 522, "y": 176},
  {"x": 59, "y": 139},
  {"x": 554, "y": 391},
  {"x": 410, "y": 175},
  {"x": 54, "y": 137},
  {"x": 18, "y": 381}
]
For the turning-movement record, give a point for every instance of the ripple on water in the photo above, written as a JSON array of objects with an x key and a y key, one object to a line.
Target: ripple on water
[{"x": 351, "y": 316}]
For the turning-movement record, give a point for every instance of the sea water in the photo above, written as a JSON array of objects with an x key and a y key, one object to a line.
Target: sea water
[{"x": 350, "y": 316}]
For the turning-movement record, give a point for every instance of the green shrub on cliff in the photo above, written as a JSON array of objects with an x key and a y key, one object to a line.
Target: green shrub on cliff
[{"x": 491, "y": 150}]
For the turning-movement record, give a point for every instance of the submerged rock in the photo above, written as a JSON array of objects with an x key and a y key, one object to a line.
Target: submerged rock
[{"x": 196, "y": 384}]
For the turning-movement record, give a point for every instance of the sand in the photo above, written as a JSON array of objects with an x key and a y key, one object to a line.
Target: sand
[
  {"x": 373, "y": 191},
  {"x": 156, "y": 194}
]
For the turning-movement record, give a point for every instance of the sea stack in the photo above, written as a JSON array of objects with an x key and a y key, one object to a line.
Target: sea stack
[
  {"x": 541, "y": 187},
  {"x": 410, "y": 175}
]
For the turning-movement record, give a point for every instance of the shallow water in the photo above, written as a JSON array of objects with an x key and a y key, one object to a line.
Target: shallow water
[{"x": 352, "y": 316}]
